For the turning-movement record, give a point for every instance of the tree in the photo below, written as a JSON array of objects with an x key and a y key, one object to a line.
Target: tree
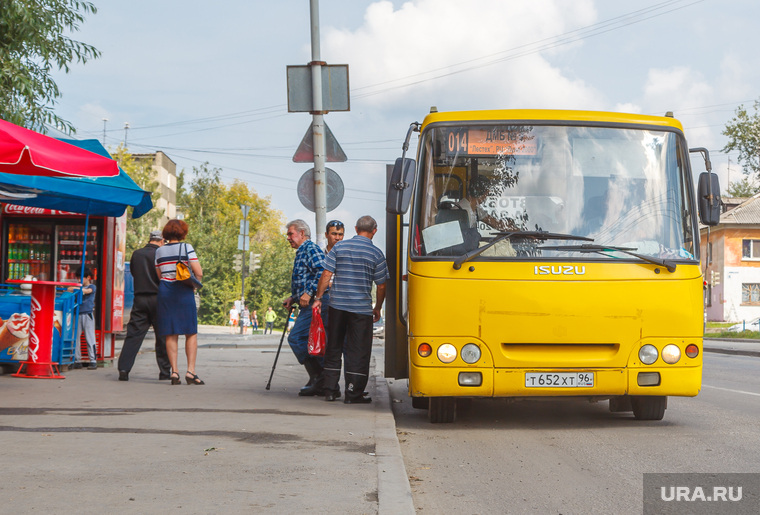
[
  {"x": 138, "y": 229},
  {"x": 212, "y": 210},
  {"x": 742, "y": 189},
  {"x": 743, "y": 133},
  {"x": 33, "y": 44}
]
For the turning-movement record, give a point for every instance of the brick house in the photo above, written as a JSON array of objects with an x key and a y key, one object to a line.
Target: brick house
[{"x": 731, "y": 262}]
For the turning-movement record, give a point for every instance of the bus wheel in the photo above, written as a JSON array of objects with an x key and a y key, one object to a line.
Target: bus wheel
[
  {"x": 420, "y": 402},
  {"x": 442, "y": 410},
  {"x": 649, "y": 407}
]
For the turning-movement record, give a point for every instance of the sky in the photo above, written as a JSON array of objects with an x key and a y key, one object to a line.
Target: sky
[{"x": 206, "y": 81}]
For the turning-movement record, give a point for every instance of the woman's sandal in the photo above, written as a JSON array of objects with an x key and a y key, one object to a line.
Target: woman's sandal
[
  {"x": 193, "y": 379},
  {"x": 175, "y": 380}
]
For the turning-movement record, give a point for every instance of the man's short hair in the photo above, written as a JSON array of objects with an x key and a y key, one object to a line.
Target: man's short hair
[
  {"x": 300, "y": 225},
  {"x": 366, "y": 224},
  {"x": 156, "y": 236}
]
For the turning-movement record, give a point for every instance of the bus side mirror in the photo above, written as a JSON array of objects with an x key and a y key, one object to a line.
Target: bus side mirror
[
  {"x": 708, "y": 193},
  {"x": 400, "y": 186}
]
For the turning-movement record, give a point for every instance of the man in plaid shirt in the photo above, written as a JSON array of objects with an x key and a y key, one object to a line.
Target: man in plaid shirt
[{"x": 307, "y": 268}]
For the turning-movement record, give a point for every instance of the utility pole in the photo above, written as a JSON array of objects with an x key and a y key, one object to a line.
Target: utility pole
[
  {"x": 318, "y": 127},
  {"x": 126, "y": 128},
  {"x": 105, "y": 121},
  {"x": 243, "y": 244}
]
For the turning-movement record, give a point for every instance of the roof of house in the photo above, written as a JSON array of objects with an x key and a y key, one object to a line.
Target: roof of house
[{"x": 748, "y": 212}]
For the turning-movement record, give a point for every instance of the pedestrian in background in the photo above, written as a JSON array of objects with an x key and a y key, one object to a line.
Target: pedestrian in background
[
  {"x": 307, "y": 268},
  {"x": 234, "y": 319},
  {"x": 353, "y": 265},
  {"x": 177, "y": 312},
  {"x": 245, "y": 318},
  {"x": 86, "y": 319},
  {"x": 255, "y": 321},
  {"x": 269, "y": 317},
  {"x": 144, "y": 314}
]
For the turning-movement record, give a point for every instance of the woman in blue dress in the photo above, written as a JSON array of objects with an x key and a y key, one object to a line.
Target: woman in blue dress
[{"x": 177, "y": 313}]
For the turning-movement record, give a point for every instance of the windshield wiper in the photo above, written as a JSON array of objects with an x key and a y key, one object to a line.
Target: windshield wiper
[
  {"x": 667, "y": 263},
  {"x": 504, "y": 235}
]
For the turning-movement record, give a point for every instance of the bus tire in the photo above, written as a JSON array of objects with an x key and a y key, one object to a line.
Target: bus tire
[
  {"x": 649, "y": 407},
  {"x": 442, "y": 410},
  {"x": 420, "y": 402}
]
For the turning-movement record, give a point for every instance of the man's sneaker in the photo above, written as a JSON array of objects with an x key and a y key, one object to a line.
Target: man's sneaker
[
  {"x": 123, "y": 375},
  {"x": 92, "y": 366},
  {"x": 76, "y": 365}
]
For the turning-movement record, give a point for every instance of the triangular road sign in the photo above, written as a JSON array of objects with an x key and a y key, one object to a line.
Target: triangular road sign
[{"x": 305, "y": 151}]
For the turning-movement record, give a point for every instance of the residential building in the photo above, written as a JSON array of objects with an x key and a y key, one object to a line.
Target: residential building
[
  {"x": 166, "y": 175},
  {"x": 731, "y": 260}
]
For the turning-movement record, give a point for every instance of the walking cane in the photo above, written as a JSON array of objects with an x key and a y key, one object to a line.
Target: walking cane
[{"x": 269, "y": 383}]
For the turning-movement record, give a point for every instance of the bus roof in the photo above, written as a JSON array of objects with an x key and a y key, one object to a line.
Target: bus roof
[{"x": 515, "y": 115}]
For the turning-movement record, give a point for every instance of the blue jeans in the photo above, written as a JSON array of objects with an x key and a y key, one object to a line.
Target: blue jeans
[{"x": 298, "y": 339}]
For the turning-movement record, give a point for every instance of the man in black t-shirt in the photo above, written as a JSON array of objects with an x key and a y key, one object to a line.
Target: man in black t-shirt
[{"x": 144, "y": 310}]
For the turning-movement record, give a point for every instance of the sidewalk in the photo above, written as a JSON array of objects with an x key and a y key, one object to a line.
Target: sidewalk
[
  {"x": 741, "y": 347},
  {"x": 92, "y": 444}
]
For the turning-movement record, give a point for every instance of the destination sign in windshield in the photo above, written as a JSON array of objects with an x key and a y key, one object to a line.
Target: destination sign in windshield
[{"x": 516, "y": 141}]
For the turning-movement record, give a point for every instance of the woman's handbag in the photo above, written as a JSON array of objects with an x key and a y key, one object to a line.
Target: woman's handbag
[
  {"x": 316, "y": 334},
  {"x": 184, "y": 274}
]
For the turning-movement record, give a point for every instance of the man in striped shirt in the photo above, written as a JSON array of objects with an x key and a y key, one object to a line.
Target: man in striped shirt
[{"x": 353, "y": 265}]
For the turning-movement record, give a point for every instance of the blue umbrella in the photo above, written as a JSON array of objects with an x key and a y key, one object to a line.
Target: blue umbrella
[{"x": 98, "y": 196}]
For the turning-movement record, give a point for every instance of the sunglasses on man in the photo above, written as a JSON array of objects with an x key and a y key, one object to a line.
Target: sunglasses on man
[{"x": 335, "y": 223}]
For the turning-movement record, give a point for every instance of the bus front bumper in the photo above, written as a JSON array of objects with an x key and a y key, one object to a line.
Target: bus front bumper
[{"x": 500, "y": 382}]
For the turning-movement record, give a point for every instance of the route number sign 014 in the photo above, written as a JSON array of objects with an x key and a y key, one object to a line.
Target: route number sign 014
[{"x": 559, "y": 380}]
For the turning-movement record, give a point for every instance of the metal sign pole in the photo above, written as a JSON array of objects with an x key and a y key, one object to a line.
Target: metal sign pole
[{"x": 318, "y": 128}]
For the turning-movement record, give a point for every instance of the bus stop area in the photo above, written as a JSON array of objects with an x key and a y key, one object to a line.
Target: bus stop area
[{"x": 92, "y": 444}]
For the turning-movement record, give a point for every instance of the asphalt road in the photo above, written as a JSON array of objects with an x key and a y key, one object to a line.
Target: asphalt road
[{"x": 575, "y": 457}]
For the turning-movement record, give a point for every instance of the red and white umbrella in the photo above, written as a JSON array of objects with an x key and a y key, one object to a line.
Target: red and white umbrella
[{"x": 25, "y": 152}]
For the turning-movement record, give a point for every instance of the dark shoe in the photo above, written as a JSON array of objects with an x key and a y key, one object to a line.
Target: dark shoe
[
  {"x": 76, "y": 365},
  {"x": 311, "y": 391},
  {"x": 193, "y": 379},
  {"x": 357, "y": 400},
  {"x": 92, "y": 366},
  {"x": 164, "y": 377},
  {"x": 331, "y": 396},
  {"x": 123, "y": 375},
  {"x": 174, "y": 376}
]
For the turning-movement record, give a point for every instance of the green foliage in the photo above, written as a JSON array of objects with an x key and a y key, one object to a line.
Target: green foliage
[
  {"x": 743, "y": 132},
  {"x": 742, "y": 189},
  {"x": 138, "y": 230},
  {"x": 33, "y": 43},
  {"x": 212, "y": 210}
]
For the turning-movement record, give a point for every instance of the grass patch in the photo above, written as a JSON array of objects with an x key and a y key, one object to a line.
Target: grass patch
[{"x": 748, "y": 335}]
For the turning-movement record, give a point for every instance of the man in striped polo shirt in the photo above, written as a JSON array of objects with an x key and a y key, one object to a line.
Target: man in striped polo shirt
[{"x": 353, "y": 265}]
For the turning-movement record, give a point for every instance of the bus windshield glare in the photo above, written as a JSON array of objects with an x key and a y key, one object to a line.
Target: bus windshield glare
[{"x": 620, "y": 187}]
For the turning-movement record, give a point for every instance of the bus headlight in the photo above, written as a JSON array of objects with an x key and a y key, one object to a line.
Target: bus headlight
[
  {"x": 424, "y": 350},
  {"x": 648, "y": 354},
  {"x": 447, "y": 353},
  {"x": 671, "y": 354},
  {"x": 692, "y": 350},
  {"x": 470, "y": 353}
]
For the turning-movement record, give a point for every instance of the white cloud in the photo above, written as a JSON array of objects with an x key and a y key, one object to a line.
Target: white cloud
[{"x": 428, "y": 52}]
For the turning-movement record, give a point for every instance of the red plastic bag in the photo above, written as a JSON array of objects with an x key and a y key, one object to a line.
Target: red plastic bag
[{"x": 316, "y": 334}]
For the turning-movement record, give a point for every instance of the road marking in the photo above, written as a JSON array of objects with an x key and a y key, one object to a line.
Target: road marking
[{"x": 730, "y": 390}]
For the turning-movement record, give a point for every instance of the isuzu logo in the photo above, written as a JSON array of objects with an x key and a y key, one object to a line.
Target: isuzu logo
[{"x": 558, "y": 270}]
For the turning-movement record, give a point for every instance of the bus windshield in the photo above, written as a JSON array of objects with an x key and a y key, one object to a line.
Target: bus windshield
[{"x": 620, "y": 187}]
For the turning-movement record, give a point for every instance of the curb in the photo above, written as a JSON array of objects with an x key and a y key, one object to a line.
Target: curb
[
  {"x": 393, "y": 490},
  {"x": 733, "y": 352}
]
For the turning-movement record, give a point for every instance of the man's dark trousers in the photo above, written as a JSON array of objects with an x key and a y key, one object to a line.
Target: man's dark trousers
[
  {"x": 348, "y": 334},
  {"x": 143, "y": 316}
]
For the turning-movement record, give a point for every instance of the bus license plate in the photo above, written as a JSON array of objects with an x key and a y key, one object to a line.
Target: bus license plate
[{"x": 559, "y": 380}]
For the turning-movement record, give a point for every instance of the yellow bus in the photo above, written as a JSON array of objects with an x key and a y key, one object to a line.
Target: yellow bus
[{"x": 543, "y": 253}]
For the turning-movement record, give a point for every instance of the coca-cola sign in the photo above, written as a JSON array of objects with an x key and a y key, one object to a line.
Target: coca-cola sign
[{"x": 12, "y": 209}]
